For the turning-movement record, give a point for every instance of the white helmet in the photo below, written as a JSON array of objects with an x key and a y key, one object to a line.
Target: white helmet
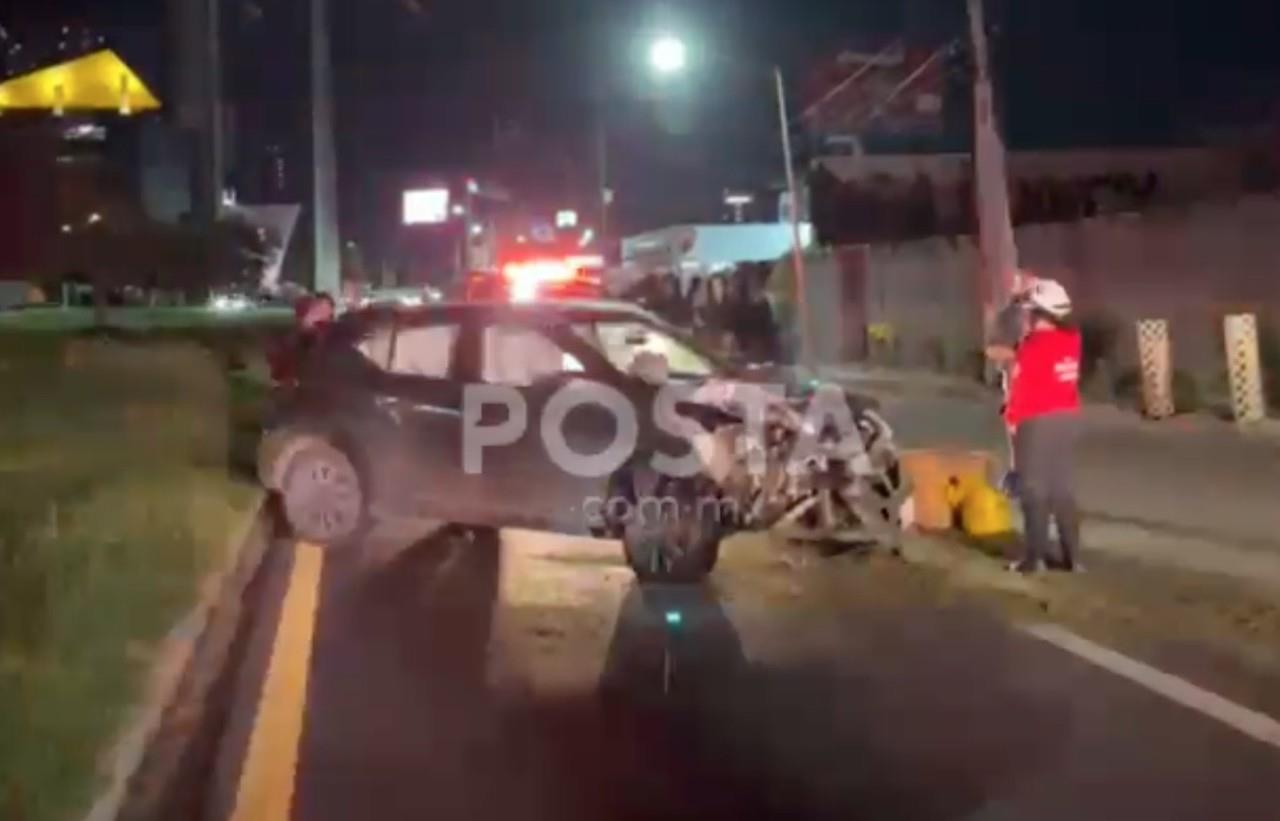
[{"x": 1049, "y": 296}]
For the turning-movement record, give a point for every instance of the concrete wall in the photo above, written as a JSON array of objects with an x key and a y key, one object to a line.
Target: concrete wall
[
  {"x": 1185, "y": 173},
  {"x": 1190, "y": 266}
]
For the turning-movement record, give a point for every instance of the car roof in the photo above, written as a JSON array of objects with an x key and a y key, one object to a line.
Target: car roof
[{"x": 561, "y": 310}]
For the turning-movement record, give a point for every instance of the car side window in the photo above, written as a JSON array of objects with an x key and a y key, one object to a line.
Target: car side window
[
  {"x": 423, "y": 351},
  {"x": 377, "y": 346},
  {"x": 621, "y": 342},
  {"x": 520, "y": 356}
]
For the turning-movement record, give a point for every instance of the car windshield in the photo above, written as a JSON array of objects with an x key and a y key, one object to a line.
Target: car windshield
[{"x": 622, "y": 341}]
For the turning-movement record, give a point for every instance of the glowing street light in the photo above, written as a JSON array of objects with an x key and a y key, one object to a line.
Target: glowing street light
[{"x": 668, "y": 55}]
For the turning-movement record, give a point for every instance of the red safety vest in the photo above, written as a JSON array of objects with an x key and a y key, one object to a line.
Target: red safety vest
[{"x": 1046, "y": 375}]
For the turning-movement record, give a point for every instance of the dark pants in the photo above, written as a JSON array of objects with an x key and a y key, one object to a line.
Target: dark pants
[{"x": 1044, "y": 451}]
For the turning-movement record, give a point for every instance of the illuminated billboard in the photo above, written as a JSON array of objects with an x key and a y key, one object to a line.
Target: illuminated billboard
[{"x": 426, "y": 206}]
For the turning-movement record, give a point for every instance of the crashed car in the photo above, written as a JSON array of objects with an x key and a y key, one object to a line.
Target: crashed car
[{"x": 574, "y": 417}]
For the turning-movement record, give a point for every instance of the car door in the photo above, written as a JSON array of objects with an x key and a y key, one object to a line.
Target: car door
[
  {"x": 529, "y": 477},
  {"x": 419, "y": 389}
]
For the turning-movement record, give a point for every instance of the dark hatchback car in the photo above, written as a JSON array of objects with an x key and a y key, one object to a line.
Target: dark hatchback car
[{"x": 377, "y": 426}]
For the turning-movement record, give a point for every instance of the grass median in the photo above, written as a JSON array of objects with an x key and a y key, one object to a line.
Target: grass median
[{"x": 117, "y": 498}]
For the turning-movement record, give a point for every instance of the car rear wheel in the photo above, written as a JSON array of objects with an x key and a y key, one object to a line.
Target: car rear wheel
[{"x": 323, "y": 496}]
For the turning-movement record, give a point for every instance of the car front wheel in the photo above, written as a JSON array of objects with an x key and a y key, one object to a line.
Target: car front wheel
[
  {"x": 323, "y": 497},
  {"x": 672, "y": 532}
]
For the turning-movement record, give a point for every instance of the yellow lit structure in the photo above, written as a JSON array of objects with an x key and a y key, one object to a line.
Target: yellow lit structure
[{"x": 96, "y": 82}]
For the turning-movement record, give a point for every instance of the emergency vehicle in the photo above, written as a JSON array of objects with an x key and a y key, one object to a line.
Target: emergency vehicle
[{"x": 533, "y": 272}]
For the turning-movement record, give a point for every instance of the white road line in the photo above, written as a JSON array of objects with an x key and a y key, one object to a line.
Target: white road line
[{"x": 1250, "y": 722}]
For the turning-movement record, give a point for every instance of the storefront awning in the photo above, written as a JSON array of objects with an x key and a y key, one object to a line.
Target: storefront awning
[{"x": 96, "y": 82}]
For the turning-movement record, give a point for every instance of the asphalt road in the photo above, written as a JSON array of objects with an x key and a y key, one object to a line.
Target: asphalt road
[{"x": 524, "y": 675}]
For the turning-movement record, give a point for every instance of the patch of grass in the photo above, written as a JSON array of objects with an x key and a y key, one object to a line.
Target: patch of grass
[
  {"x": 117, "y": 500},
  {"x": 65, "y": 320}
]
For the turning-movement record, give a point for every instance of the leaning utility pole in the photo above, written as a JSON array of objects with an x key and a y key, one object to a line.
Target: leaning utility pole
[
  {"x": 324, "y": 195},
  {"x": 991, "y": 189}
]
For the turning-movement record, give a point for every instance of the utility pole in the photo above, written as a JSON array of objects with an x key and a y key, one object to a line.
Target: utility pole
[
  {"x": 797, "y": 245},
  {"x": 326, "y": 253},
  {"x": 995, "y": 227}
]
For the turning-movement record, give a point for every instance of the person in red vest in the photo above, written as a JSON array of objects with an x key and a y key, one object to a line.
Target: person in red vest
[{"x": 1043, "y": 412}]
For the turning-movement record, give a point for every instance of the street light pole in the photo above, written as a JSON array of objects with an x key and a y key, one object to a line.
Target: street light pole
[
  {"x": 602, "y": 171},
  {"x": 797, "y": 245},
  {"x": 667, "y": 55}
]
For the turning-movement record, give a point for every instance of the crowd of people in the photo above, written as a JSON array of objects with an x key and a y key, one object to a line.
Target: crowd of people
[{"x": 729, "y": 314}]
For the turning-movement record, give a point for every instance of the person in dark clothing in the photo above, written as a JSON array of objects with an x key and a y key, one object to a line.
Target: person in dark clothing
[
  {"x": 753, "y": 324},
  {"x": 1043, "y": 412},
  {"x": 312, "y": 316},
  {"x": 648, "y": 292},
  {"x": 713, "y": 319},
  {"x": 695, "y": 295},
  {"x": 672, "y": 304}
]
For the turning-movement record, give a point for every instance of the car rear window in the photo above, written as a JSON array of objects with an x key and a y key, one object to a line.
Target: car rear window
[
  {"x": 425, "y": 350},
  {"x": 521, "y": 356}
]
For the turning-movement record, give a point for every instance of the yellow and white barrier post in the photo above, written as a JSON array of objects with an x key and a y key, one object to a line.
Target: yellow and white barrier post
[
  {"x": 1157, "y": 368},
  {"x": 1244, "y": 368}
]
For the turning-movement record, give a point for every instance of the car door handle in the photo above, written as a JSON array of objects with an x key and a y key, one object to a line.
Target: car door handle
[{"x": 398, "y": 404}]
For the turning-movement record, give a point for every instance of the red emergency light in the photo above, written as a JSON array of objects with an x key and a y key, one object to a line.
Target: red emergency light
[
  {"x": 526, "y": 280},
  {"x": 542, "y": 278}
]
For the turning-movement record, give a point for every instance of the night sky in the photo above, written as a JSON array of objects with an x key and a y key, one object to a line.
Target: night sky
[{"x": 422, "y": 83}]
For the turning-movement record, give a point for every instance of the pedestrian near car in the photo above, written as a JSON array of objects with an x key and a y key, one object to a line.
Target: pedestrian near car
[
  {"x": 1043, "y": 411},
  {"x": 712, "y": 321},
  {"x": 754, "y": 326},
  {"x": 312, "y": 317},
  {"x": 1009, "y": 326},
  {"x": 674, "y": 305}
]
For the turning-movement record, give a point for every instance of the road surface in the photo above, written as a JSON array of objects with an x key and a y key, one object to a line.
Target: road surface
[{"x": 525, "y": 675}]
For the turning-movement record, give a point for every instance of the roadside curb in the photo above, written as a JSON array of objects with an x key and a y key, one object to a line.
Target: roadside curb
[{"x": 187, "y": 663}]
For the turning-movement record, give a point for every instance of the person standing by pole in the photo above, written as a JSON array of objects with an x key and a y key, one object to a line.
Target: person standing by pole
[
  {"x": 1008, "y": 328},
  {"x": 1043, "y": 413},
  {"x": 998, "y": 283}
]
